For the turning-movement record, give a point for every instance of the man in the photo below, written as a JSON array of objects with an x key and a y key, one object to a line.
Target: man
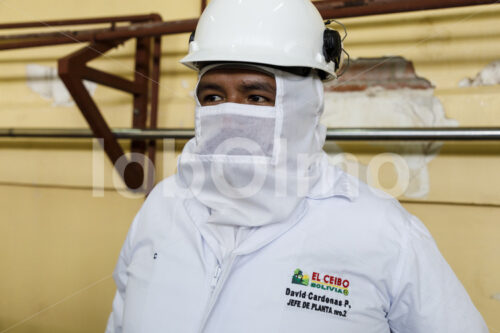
[{"x": 256, "y": 232}]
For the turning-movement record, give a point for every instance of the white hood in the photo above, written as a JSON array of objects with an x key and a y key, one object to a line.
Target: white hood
[{"x": 252, "y": 165}]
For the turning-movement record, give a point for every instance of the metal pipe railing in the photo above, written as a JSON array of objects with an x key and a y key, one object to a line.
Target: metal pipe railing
[{"x": 335, "y": 134}]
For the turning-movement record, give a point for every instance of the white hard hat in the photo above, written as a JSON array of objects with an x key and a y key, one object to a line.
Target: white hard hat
[{"x": 284, "y": 33}]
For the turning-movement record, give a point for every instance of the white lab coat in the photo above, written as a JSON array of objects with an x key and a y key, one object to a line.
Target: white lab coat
[{"x": 171, "y": 276}]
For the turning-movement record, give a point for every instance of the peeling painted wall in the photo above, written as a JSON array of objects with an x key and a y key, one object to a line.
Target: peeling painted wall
[
  {"x": 488, "y": 76},
  {"x": 44, "y": 81},
  {"x": 392, "y": 97}
]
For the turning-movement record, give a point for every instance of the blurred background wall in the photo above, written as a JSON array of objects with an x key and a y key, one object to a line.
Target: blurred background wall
[{"x": 60, "y": 236}]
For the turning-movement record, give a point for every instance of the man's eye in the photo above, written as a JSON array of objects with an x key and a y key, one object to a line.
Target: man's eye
[
  {"x": 212, "y": 98},
  {"x": 257, "y": 99}
]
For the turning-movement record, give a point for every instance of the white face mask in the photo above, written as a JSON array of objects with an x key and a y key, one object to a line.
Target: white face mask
[{"x": 252, "y": 165}]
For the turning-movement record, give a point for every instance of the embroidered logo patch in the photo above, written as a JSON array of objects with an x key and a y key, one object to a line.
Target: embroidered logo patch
[
  {"x": 299, "y": 278},
  {"x": 311, "y": 300},
  {"x": 322, "y": 281}
]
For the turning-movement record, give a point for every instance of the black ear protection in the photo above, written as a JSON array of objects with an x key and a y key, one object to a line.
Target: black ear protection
[
  {"x": 191, "y": 37},
  {"x": 332, "y": 46}
]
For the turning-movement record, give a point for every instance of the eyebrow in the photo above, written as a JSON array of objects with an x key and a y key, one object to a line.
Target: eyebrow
[
  {"x": 249, "y": 86},
  {"x": 209, "y": 86}
]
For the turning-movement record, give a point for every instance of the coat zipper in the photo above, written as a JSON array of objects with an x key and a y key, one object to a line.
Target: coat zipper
[
  {"x": 218, "y": 280},
  {"x": 216, "y": 276}
]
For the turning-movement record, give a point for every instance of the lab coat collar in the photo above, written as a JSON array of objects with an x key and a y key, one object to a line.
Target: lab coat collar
[
  {"x": 258, "y": 238},
  {"x": 333, "y": 182}
]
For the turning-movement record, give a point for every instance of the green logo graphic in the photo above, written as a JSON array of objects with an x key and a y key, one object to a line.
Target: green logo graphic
[{"x": 299, "y": 278}]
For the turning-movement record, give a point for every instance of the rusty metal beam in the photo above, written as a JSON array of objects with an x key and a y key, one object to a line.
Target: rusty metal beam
[
  {"x": 153, "y": 116},
  {"x": 354, "y": 8},
  {"x": 40, "y": 42},
  {"x": 141, "y": 80},
  {"x": 83, "y": 21},
  {"x": 71, "y": 69},
  {"x": 109, "y": 80},
  {"x": 93, "y": 35},
  {"x": 150, "y": 29},
  {"x": 141, "y": 99},
  {"x": 53, "y": 34}
]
